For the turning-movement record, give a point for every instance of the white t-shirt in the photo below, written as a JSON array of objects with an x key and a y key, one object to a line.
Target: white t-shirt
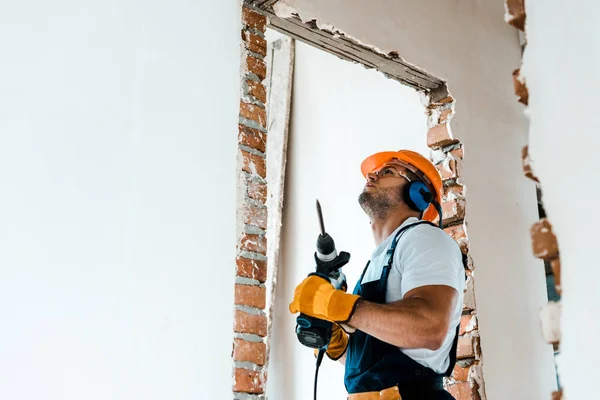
[{"x": 425, "y": 255}]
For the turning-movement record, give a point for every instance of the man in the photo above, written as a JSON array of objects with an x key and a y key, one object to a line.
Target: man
[{"x": 406, "y": 307}]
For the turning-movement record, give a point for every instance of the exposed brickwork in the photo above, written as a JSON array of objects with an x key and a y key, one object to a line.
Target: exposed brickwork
[
  {"x": 461, "y": 374},
  {"x": 248, "y": 381},
  {"x": 249, "y": 375},
  {"x": 252, "y": 138},
  {"x": 254, "y": 352},
  {"x": 250, "y": 295},
  {"x": 256, "y": 189},
  {"x": 250, "y": 298},
  {"x": 257, "y": 90},
  {"x": 254, "y": 113},
  {"x": 468, "y": 323},
  {"x": 254, "y": 243},
  {"x": 256, "y": 66},
  {"x": 527, "y": 169},
  {"x": 463, "y": 391},
  {"x": 254, "y": 164},
  {"x": 253, "y": 269},
  {"x": 447, "y": 155},
  {"x": 255, "y": 215},
  {"x": 254, "y": 20},
  {"x": 250, "y": 323},
  {"x": 466, "y": 348},
  {"x": 544, "y": 242},
  {"x": 557, "y": 395},
  {"x": 439, "y": 136},
  {"x": 520, "y": 87},
  {"x": 515, "y": 13}
]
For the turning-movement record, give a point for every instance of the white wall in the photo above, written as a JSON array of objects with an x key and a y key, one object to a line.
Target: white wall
[
  {"x": 113, "y": 119},
  {"x": 341, "y": 113},
  {"x": 561, "y": 63},
  {"x": 470, "y": 45}
]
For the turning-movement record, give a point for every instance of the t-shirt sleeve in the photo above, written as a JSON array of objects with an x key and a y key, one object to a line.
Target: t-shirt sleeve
[{"x": 429, "y": 256}]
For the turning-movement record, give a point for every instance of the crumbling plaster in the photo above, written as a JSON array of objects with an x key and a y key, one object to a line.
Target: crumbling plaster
[{"x": 470, "y": 46}]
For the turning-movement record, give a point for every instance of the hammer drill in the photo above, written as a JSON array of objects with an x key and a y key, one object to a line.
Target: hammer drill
[{"x": 313, "y": 332}]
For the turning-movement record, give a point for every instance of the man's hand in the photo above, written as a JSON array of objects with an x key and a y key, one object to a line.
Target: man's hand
[
  {"x": 316, "y": 297},
  {"x": 337, "y": 344}
]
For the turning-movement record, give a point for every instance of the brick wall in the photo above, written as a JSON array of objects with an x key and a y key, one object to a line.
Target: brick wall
[
  {"x": 447, "y": 154},
  {"x": 250, "y": 327}
]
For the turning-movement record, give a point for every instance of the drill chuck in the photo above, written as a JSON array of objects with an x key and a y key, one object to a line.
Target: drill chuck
[{"x": 326, "y": 248}]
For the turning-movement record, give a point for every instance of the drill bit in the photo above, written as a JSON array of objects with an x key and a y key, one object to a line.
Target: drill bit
[{"x": 320, "y": 215}]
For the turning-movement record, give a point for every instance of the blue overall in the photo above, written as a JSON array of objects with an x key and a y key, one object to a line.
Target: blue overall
[{"x": 373, "y": 365}]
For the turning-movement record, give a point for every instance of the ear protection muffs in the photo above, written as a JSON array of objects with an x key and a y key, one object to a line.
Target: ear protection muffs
[{"x": 417, "y": 196}]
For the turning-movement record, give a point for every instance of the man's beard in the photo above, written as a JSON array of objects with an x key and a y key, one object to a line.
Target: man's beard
[{"x": 378, "y": 206}]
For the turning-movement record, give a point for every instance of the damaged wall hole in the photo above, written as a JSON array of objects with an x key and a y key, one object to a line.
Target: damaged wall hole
[
  {"x": 447, "y": 153},
  {"x": 543, "y": 240}
]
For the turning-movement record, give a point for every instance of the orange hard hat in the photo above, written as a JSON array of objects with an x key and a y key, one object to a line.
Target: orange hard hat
[{"x": 421, "y": 164}]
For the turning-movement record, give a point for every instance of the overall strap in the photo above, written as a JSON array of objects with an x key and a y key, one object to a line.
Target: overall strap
[
  {"x": 453, "y": 353},
  {"x": 392, "y": 249},
  {"x": 364, "y": 271}
]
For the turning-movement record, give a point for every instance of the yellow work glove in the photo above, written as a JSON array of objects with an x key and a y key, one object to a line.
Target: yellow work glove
[
  {"x": 316, "y": 297},
  {"x": 337, "y": 344}
]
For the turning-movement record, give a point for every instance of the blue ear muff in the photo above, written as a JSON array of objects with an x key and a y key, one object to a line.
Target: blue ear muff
[{"x": 417, "y": 196}]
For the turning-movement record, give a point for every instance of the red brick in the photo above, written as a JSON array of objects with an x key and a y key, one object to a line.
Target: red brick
[
  {"x": 257, "y": 190},
  {"x": 252, "y": 19},
  {"x": 453, "y": 211},
  {"x": 520, "y": 88},
  {"x": 253, "y": 269},
  {"x": 254, "y": 113},
  {"x": 516, "y": 11},
  {"x": 440, "y": 136},
  {"x": 254, "y": 42},
  {"x": 543, "y": 240},
  {"x": 461, "y": 374},
  {"x": 258, "y": 67},
  {"x": 557, "y": 395},
  {"x": 461, "y": 391},
  {"x": 254, "y": 164},
  {"x": 451, "y": 167},
  {"x": 458, "y": 153},
  {"x": 256, "y": 216},
  {"x": 454, "y": 191},
  {"x": 254, "y": 243},
  {"x": 252, "y": 138},
  {"x": 250, "y": 323},
  {"x": 251, "y": 296},
  {"x": 466, "y": 348},
  {"x": 457, "y": 232},
  {"x": 445, "y": 115},
  {"x": 526, "y": 162},
  {"x": 254, "y": 352},
  {"x": 445, "y": 100},
  {"x": 257, "y": 90},
  {"x": 247, "y": 381},
  {"x": 464, "y": 322}
]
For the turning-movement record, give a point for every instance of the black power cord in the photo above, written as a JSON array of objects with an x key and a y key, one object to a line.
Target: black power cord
[
  {"x": 319, "y": 360},
  {"x": 428, "y": 197},
  {"x": 438, "y": 207}
]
